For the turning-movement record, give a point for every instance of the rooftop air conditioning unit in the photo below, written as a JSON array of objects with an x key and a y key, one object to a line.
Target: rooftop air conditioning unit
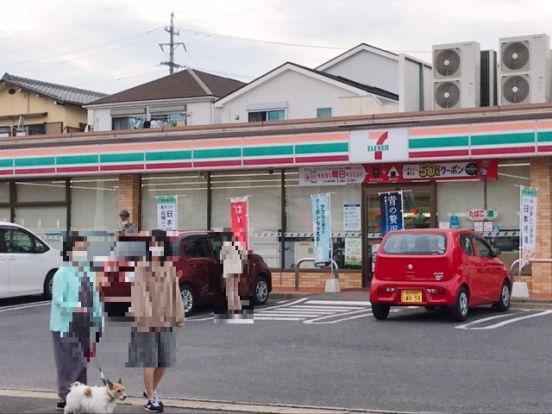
[
  {"x": 456, "y": 75},
  {"x": 524, "y": 70}
]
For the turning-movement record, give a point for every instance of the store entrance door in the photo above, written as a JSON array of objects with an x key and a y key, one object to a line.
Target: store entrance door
[{"x": 419, "y": 205}]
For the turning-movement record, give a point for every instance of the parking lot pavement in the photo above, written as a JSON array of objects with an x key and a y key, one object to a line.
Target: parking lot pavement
[{"x": 324, "y": 350}]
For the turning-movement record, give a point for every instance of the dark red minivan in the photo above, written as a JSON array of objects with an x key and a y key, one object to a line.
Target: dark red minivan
[
  {"x": 199, "y": 271},
  {"x": 437, "y": 268}
]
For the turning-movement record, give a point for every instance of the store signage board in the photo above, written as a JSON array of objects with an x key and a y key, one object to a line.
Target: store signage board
[
  {"x": 239, "y": 214},
  {"x": 167, "y": 212},
  {"x": 481, "y": 214},
  {"x": 322, "y": 228},
  {"x": 391, "y": 207},
  {"x": 339, "y": 175},
  {"x": 528, "y": 223},
  {"x": 431, "y": 171},
  {"x": 378, "y": 146},
  {"x": 353, "y": 251}
]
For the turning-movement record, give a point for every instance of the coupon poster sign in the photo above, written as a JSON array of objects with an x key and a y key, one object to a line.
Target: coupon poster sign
[
  {"x": 239, "y": 213},
  {"x": 322, "y": 228},
  {"x": 391, "y": 207},
  {"x": 528, "y": 223}
]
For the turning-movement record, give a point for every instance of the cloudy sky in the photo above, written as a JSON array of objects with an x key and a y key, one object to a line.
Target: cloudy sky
[{"x": 112, "y": 45}]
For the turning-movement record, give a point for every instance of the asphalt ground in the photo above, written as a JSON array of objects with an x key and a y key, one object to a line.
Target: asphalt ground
[{"x": 300, "y": 353}]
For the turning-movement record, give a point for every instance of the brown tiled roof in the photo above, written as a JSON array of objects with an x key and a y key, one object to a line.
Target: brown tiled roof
[{"x": 188, "y": 83}]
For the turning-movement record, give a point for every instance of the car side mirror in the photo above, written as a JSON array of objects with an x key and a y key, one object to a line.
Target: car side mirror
[{"x": 496, "y": 251}]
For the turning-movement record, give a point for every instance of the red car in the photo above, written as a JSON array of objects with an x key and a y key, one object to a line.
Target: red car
[
  {"x": 438, "y": 268},
  {"x": 198, "y": 268}
]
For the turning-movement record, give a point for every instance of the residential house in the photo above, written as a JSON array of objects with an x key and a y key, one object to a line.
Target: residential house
[
  {"x": 32, "y": 107},
  {"x": 183, "y": 98}
]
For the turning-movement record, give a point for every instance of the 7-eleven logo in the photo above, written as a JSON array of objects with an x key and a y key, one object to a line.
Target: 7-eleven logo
[{"x": 379, "y": 137}]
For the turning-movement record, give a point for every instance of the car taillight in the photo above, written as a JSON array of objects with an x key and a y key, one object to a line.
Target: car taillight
[
  {"x": 435, "y": 291},
  {"x": 387, "y": 289}
]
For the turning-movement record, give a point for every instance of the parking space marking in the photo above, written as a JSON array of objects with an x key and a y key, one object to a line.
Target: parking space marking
[
  {"x": 473, "y": 325},
  {"x": 29, "y": 306}
]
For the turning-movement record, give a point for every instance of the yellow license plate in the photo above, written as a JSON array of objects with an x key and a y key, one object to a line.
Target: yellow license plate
[{"x": 411, "y": 296}]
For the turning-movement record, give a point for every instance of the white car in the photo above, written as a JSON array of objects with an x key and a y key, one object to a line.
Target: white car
[{"x": 27, "y": 263}]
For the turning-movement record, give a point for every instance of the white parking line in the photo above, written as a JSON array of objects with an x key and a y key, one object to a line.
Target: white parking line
[
  {"x": 340, "y": 302},
  {"x": 340, "y": 315},
  {"x": 29, "y": 306},
  {"x": 499, "y": 324}
]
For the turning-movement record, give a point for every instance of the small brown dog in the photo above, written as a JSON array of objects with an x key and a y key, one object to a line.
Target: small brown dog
[{"x": 84, "y": 399}]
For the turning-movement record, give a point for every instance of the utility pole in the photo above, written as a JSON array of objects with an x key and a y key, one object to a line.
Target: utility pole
[{"x": 172, "y": 46}]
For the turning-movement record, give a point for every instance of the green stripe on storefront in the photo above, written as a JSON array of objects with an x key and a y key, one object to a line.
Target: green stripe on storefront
[
  {"x": 418, "y": 143},
  {"x": 169, "y": 156},
  {"x": 6, "y": 163},
  {"x": 35, "y": 162},
  {"x": 321, "y": 148},
  {"x": 520, "y": 138},
  {"x": 262, "y": 151},
  {"x": 129, "y": 157},
  {"x": 76, "y": 159},
  {"x": 545, "y": 136},
  {"x": 217, "y": 153}
]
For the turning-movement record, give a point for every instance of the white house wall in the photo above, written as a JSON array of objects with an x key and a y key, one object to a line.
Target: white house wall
[
  {"x": 301, "y": 95},
  {"x": 200, "y": 113},
  {"x": 369, "y": 69},
  {"x": 100, "y": 119}
]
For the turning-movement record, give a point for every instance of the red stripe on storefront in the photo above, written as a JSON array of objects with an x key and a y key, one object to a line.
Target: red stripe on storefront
[
  {"x": 435, "y": 154},
  {"x": 161, "y": 166},
  {"x": 6, "y": 172},
  {"x": 544, "y": 148},
  {"x": 227, "y": 163},
  {"x": 121, "y": 167},
  {"x": 25, "y": 171},
  {"x": 269, "y": 161},
  {"x": 92, "y": 168},
  {"x": 327, "y": 158},
  {"x": 508, "y": 150}
]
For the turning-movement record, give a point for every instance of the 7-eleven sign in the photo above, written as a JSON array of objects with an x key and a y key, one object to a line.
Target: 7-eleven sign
[{"x": 381, "y": 145}]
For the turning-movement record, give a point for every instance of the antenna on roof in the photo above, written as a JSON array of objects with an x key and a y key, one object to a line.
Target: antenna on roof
[{"x": 172, "y": 46}]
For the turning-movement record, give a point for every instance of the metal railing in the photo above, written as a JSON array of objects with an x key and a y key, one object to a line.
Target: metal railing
[
  {"x": 334, "y": 267},
  {"x": 520, "y": 268}
]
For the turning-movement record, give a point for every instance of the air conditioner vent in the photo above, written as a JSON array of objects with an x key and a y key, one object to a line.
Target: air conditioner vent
[
  {"x": 447, "y": 62},
  {"x": 515, "y": 89},
  {"x": 515, "y": 56},
  {"x": 447, "y": 94}
]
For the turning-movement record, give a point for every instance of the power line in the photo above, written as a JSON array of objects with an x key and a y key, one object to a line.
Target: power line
[{"x": 80, "y": 49}]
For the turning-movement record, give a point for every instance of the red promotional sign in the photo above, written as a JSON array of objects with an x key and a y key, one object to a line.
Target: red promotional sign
[
  {"x": 240, "y": 222},
  {"x": 431, "y": 171}
]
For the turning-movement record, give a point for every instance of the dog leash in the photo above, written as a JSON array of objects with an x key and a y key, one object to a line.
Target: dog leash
[{"x": 102, "y": 376}]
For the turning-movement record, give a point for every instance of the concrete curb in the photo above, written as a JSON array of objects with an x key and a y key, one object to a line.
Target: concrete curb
[{"x": 214, "y": 405}]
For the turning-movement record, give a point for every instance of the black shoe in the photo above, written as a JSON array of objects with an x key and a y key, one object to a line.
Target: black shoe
[
  {"x": 60, "y": 406},
  {"x": 153, "y": 407}
]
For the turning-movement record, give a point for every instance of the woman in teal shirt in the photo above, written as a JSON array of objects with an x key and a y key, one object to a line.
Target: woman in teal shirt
[{"x": 76, "y": 310}]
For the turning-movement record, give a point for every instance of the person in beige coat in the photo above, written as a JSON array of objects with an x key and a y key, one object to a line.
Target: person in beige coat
[{"x": 157, "y": 308}]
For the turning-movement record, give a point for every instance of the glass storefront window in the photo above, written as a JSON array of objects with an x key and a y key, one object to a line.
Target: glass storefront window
[
  {"x": 299, "y": 220},
  {"x": 456, "y": 198},
  {"x": 191, "y": 193},
  {"x": 5, "y": 192},
  {"x": 264, "y": 191},
  {"x": 47, "y": 222},
  {"x": 94, "y": 204},
  {"x": 44, "y": 190}
]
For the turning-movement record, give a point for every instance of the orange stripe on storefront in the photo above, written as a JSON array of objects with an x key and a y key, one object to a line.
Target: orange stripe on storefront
[
  {"x": 322, "y": 137},
  {"x": 221, "y": 143},
  {"x": 439, "y": 131},
  {"x": 509, "y": 127},
  {"x": 268, "y": 140},
  {"x": 169, "y": 145}
]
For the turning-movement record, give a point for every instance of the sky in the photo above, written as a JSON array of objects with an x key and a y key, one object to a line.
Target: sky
[{"x": 112, "y": 45}]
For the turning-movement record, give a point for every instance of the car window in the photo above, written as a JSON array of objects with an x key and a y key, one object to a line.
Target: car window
[
  {"x": 197, "y": 247},
  {"x": 466, "y": 243},
  {"x": 18, "y": 241},
  {"x": 483, "y": 248},
  {"x": 415, "y": 243}
]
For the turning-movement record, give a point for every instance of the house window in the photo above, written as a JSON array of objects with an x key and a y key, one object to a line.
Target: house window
[
  {"x": 38, "y": 129},
  {"x": 323, "y": 112},
  {"x": 261, "y": 116}
]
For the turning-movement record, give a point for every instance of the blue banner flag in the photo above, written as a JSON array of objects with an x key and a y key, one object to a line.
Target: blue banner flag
[
  {"x": 391, "y": 206},
  {"x": 322, "y": 228}
]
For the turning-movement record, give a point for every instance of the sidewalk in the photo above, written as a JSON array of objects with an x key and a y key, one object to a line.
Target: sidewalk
[{"x": 35, "y": 401}]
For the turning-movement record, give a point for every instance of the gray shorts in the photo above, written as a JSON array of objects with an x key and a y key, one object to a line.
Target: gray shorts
[{"x": 151, "y": 349}]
